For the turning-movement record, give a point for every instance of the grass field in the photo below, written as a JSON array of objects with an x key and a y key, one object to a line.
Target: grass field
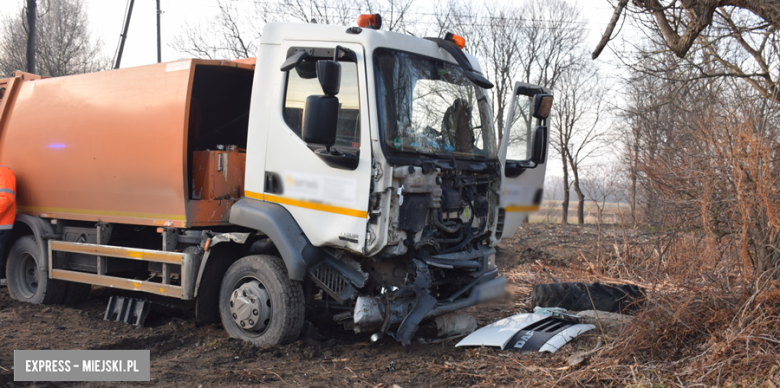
[{"x": 550, "y": 212}]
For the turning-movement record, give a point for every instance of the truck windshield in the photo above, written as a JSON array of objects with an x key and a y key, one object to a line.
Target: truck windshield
[{"x": 428, "y": 106}]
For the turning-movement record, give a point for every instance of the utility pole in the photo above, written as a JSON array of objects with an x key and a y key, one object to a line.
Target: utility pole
[
  {"x": 124, "y": 34},
  {"x": 32, "y": 12},
  {"x": 159, "y": 50}
]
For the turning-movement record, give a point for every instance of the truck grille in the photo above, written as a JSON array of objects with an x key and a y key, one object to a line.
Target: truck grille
[
  {"x": 332, "y": 282},
  {"x": 500, "y": 223}
]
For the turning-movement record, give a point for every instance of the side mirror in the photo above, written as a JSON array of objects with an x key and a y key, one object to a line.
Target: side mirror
[
  {"x": 320, "y": 120},
  {"x": 539, "y": 150},
  {"x": 542, "y": 105},
  {"x": 321, "y": 116},
  {"x": 321, "y": 113},
  {"x": 294, "y": 60},
  {"x": 329, "y": 75}
]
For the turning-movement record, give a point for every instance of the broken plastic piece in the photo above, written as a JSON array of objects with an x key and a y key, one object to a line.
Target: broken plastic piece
[
  {"x": 455, "y": 324},
  {"x": 535, "y": 332},
  {"x": 127, "y": 310}
]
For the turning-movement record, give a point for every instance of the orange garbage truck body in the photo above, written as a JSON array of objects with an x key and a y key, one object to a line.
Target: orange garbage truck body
[{"x": 117, "y": 146}]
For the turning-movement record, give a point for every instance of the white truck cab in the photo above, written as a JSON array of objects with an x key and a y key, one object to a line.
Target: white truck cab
[{"x": 396, "y": 175}]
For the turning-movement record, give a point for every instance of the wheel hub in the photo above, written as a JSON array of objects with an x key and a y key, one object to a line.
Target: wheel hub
[
  {"x": 28, "y": 278},
  {"x": 250, "y": 306}
]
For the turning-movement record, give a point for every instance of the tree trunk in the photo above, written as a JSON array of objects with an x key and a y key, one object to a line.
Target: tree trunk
[
  {"x": 31, "y": 14},
  {"x": 565, "y": 203},
  {"x": 580, "y": 196},
  {"x": 580, "y": 203},
  {"x": 634, "y": 166}
]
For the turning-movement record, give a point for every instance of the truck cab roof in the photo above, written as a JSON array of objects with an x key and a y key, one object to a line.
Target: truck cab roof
[{"x": 276, "y": 33}]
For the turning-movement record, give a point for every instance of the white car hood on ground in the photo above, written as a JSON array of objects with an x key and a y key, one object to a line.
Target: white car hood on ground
[{"x": 535, "y": 332}]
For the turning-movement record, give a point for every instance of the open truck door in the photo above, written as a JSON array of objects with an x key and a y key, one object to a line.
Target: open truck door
[{"x": 523, "y": 153}]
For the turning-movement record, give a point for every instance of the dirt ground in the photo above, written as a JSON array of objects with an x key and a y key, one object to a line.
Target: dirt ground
[{"x": 185, "y": 354}]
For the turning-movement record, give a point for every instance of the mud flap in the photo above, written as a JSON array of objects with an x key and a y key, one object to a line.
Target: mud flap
[
  {"x": 128, "y": 310},
  {"x": 425, "y": 302}
]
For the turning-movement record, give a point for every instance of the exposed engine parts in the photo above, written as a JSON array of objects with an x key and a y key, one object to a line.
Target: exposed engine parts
[
  {"x": 437, "y": 258},
  {"x": 438, "y": 210}
]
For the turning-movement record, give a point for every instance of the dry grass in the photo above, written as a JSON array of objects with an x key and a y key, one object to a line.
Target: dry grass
[
  {"x": 550, "y": 212},
  {"x": 706, "y": 321}
]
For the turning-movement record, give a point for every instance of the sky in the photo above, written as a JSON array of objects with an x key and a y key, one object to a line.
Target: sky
[{"x": 106, "y": 18}]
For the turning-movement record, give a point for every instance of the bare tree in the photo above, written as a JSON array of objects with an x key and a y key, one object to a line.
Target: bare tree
[
  {"x": 575, "y": 132},
  {"x": 232, "y": 33},
  {"x": 682, "y": 21},
  {"x": 603, "y": 185},
  {"x": 235, "y": 31},
  {"x": 63, "y": 42},
  {"x": 712, "y": 38},
  {"x": 535, "y": 42}
]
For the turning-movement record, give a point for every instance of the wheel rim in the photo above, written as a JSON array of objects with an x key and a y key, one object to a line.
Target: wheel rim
[
  {"x": 27, "y": 276},
  {"x": 250, "y": 306}
]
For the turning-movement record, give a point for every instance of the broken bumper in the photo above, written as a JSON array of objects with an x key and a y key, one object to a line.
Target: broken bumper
[{"x": 371, "y": 313}]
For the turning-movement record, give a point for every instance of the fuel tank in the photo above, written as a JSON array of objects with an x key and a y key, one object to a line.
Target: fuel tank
[{"x": 118, "y": 145}]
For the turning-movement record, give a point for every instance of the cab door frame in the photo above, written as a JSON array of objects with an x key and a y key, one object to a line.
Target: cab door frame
[
  {"x": 329, "y": 204},
  {"x": 521, "y": 194}
]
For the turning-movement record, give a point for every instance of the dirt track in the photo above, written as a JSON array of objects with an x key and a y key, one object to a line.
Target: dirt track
[{"x": 184, "y": 354}]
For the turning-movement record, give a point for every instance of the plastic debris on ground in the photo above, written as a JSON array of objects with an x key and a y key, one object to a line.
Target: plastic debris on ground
[{"x": 545, "y": 330}]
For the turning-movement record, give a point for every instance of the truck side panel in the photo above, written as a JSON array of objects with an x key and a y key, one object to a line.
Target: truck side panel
[
  {"x": 106, "y": 144},
  {"x": 113, "y": 146}
]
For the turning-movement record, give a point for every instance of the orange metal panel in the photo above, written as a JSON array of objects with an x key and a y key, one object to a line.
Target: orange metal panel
[
  {"x": 248, "y": 61},
  {"x": 218, "y": 178},
  {"x": 107, "y": 146},
  {"x": 218, "y": 174}
]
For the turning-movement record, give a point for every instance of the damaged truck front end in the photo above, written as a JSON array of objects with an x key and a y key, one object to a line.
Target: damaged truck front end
[{"x": 434, "y": 208}]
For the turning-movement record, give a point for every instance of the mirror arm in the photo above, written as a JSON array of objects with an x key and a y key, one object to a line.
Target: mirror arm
[{"x": 294, "y": 60}]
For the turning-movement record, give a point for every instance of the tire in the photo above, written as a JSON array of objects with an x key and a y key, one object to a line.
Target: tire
[
  {"x": 621, "y": 298},
  {"x": 28, "y": 281},
  {"x": 277, "y": 310},
  {"x": 76, "y": 293}
]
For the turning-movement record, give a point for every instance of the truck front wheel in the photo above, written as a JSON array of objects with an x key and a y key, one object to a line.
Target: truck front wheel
[
  {"x": 259, "y": 303},
  {"x": 28, "y": 280}
]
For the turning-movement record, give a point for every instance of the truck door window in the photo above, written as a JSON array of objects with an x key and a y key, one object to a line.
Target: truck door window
[
  {"x": 521, "y": 130},
  {"x": 302, "y": 83}
]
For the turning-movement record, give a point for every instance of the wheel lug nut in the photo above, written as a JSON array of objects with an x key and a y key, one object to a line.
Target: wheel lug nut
[
  {"x": 243, "y": 324},
  {"x": 244, "y": 292},
  {"x": 254, "y": 312},
  {"x": 231, "y": 303},
  {"x": 235, "y": 316},
  {"x": 253, "y": 300},
  {"x": 251, "y": 322}
]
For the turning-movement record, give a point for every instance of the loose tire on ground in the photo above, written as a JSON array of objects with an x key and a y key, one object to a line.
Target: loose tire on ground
[
  {"x": 285, "y": 301},
  {"x": 28, "y": 280},
  {"x": 621, "y": 298}
]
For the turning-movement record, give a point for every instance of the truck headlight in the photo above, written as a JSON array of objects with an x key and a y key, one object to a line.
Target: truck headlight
[{"x": 491, "y": 261}]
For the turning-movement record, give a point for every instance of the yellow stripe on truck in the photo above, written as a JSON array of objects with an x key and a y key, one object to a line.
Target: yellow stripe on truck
[
  {"x": 522, "y": 208},
  {"x": 308, "y": 205},
  {"x": 41, "y": 209}
]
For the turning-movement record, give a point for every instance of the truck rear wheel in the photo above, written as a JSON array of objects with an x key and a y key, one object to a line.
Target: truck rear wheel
[
  {"x": 259, "y": 303},
  {"x": 28, "y": 280}
]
